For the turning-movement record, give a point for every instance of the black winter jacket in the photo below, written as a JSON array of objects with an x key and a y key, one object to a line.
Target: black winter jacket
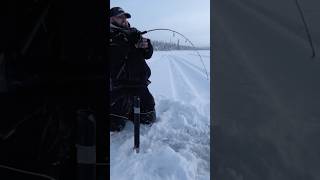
[{"x": 128, "y": 67}]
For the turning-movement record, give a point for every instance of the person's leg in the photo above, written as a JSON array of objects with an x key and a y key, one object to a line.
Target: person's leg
[
  {"x": 117, "y": 123},
  {"x": 120, "y": 105},
  {"x": 148, "y": 113}
]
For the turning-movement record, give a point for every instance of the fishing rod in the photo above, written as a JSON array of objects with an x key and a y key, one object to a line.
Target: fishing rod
[
  {"x": 165, "y": 29},
  {"x": 128, "y": 31}
]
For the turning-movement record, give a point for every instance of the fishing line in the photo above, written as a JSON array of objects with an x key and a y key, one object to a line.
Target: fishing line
[{"x": 165, "y": 29}]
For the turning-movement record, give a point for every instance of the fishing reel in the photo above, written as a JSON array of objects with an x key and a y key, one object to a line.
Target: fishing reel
[{"x": 134, "y": 35}]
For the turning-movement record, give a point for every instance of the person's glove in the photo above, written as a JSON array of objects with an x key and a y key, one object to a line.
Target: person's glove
[
  {"x": 134, "y": 35},
  {"x": 143, "y": 43}
]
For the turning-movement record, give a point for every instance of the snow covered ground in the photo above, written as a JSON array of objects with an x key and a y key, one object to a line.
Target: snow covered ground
[{"x": 177, "y": 146}]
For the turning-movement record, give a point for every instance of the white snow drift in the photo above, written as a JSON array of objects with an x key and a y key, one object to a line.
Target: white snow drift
[{"x": 176, "y": 147}]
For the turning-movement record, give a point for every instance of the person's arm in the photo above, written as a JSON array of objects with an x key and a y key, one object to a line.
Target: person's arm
[{"x": 146, "y": 47}]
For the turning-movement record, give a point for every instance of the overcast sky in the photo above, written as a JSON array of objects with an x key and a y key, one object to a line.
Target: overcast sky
[{"x": 189, "y": 17}]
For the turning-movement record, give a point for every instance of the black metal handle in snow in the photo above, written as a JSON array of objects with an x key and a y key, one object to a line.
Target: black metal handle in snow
[
  {"x": 136, "y": 121},
  {"x": 164, "y": 29}
]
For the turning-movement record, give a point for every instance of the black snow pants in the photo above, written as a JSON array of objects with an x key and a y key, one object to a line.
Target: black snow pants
[{"x": 121, "y": 107}]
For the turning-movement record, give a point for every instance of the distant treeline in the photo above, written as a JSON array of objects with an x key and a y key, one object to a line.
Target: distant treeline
[{"x": 165, "y": 46}]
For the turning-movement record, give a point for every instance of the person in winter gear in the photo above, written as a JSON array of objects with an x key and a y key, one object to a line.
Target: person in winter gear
[{"x": 129, "y": 72}]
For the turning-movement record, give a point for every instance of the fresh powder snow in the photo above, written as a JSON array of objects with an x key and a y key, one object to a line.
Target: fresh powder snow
[{"x": 177, "y": 145}]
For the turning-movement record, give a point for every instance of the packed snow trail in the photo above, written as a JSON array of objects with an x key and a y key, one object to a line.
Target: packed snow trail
[{"x": 177, "y": 146}]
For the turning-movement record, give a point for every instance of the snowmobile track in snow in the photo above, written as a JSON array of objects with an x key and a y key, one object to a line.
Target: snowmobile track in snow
[
  {"x": 181, "y": 78},
  {"x": 184, "y": 62}
]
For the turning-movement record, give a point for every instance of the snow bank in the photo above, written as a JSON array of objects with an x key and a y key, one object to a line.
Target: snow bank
[{"x": 177, "y": 146}]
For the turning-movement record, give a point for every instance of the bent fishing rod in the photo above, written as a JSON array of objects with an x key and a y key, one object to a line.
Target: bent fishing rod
[{"x": 165, "y": 29}]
